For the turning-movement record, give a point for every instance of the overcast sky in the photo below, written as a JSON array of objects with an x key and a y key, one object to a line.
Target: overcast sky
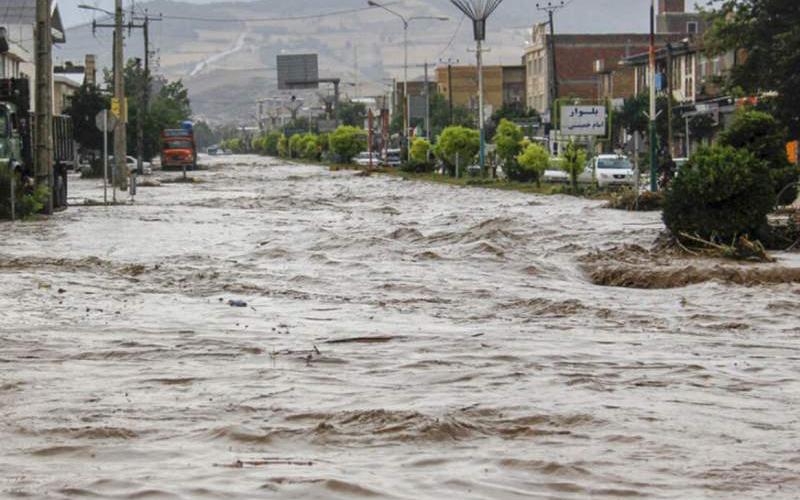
[{"x": 72, "y": 15}]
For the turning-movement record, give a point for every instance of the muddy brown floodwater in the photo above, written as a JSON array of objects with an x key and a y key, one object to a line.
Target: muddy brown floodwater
[{"x": 400, "y": 340}]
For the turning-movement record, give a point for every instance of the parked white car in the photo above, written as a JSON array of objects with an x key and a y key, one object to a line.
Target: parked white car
[
  {"x": 613, "y": 170},
  {"x": 556, "y": 175},
  {"x": 363, "y": 159}
]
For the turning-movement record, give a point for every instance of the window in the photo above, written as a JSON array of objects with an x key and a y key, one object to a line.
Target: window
[{"x": 691, "y": 27}]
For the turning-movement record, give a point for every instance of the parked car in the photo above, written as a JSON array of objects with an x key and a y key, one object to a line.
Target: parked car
[
  {"x": 556, "y": 175},
  {"x": 393, "y": 158},
  {"x": 613, "y": 170},
  {"x": 363, "y": 159}
]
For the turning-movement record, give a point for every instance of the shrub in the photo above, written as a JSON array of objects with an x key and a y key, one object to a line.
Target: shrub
[
  {"x": 283, "y": 147},
  {"x": 458, "y": 142},
  {"x": 760, "y": 134},
  {"x": 420, "y": 153},
  {"x": 573, "y": 163},
  {"x": 295, "y": 146},
  {"x": 309, "y": 147},
  {"x": 27, "y": 200},
  {"x": 508, "y": 140},
  {"x": 269, "y": 143},
  {"x": 721, "y": 193},
  {"x": 347, "y": 141},
  {"x": 532, "y": 163}
]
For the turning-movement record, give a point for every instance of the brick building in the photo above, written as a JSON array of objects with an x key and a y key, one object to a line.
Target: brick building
[
  {"x": 673, "y": 18},
  {"x": 501, "y": 85},
  {"x": 588, "y": 65}
]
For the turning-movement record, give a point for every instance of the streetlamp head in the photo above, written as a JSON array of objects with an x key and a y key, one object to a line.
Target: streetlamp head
[{"x": 478, "y": 11}]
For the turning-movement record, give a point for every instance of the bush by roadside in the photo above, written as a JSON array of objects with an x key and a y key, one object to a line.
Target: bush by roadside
[
  {"x": 346, "y": 142},
  {"x": 721, "y": 194},
  {"x": 28, "y": 200}
]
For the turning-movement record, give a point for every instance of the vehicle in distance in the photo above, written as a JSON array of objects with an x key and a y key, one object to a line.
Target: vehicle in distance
[
  {"x": 363, "y": 159},
  {"x": 178, "y": 148},
  {"x": 393, "y": 158},
  {"x": 613, "y": 170},
  {"x": 556, "y": 174},
  {"x": 17, "y": 128}
]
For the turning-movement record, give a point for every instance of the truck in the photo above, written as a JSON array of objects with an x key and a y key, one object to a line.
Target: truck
[
  {"x": 178, "y": 148},
  {"x": 17, "y": 139}
]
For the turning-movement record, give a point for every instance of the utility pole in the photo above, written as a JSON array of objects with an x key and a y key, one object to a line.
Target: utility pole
[
  {"x": 120, "y": 139},
  {"x": 427, "y": 106},
  {"x": 670, "y": 137},
  {"x": 551, "y": 8},
  {"x": 144, "y": 101},
  {"x": 652, "y": 78},
  {"x": 449, "y": 63},
  {"x": 43, "y": 159}
]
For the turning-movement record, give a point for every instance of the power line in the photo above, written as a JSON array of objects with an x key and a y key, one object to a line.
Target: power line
[
  {"x": 453, "y": 38},
  {"x": 269, "y": 19}
]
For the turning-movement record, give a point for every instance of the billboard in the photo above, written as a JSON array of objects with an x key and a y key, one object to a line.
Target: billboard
[
  {"x": 583, "y": 120},
  {"x": 298, "y": 71}
]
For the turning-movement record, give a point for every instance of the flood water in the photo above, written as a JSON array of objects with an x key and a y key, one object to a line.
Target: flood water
[{"x": 400, "y": 340}]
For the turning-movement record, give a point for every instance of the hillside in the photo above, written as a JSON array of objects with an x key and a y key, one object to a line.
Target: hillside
[{"x": 225, "y": 52}]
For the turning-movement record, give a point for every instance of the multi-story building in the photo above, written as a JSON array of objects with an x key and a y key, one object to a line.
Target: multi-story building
[
  {"x": 18, "y": 17},
  {"x": 693, "y": 77},
  {"x": 586, "y": 64},
  {"x": 502, "y": 85}
]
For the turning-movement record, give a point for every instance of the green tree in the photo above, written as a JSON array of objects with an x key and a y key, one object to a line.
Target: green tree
[
  {"x": 352, "y": 113},
  {"x": 419, "y": 160},
  {"x": 573, "y": 163},
  {"x": 440, "y": 117},
  {"x": 722, "y": 193},
  {"x": 457, "y": 143},
  {"x": 83, "y": 108},
  {"x": 768, "y": 32},
  {"x": 508, "y": 140},
  {"x": 533, "y": 161},
  {"x": 168, "y": 107},
  {"x": 762, "y": 135},
  {"x": 347, "y": 141}
]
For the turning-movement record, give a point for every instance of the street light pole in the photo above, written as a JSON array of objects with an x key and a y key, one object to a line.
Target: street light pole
[
  {"x": 406, "y": 99},
  {"x": 120, "y": 139},
  {"x": 479, "y": 11},
  {"x": 652, "y": 78}
]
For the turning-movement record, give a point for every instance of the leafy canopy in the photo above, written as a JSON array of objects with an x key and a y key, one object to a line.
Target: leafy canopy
[
  {"x": 769, "y": 33},
  {"x": 533, "y": 161},
  {"x": 720, "y": 194}
]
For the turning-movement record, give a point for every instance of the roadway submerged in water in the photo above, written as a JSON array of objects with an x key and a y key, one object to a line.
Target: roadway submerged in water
[{"x": 400, "y": 339}]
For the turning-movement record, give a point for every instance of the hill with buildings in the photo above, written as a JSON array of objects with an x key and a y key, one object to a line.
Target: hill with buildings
[{"x": 225, "y": 51}]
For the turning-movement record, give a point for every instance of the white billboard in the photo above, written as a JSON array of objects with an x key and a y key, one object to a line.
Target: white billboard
[{"x": 583, "y": 120}]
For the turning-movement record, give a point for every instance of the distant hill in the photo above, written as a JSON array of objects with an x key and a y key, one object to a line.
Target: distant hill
[{"x": 225, "y": 51}]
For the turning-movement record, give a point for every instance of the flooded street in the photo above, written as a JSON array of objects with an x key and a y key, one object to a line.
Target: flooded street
[{"x": 400, "y": 339}]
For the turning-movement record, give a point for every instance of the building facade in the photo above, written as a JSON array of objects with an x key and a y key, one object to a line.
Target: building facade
[
  {"x": 502, "y": 85},
  {"x": 587, "y": 64}
]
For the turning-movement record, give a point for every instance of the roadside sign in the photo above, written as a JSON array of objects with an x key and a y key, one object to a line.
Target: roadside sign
[
  {"x": 298, "y": 71},
  {"x": 119, "y": 109},
  {"x": 583, "y": 120},
  {"x": 100, "y": 118}
]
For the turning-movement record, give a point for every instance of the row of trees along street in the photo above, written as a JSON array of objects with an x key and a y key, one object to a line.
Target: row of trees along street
[{"x": 169, "y": 106}]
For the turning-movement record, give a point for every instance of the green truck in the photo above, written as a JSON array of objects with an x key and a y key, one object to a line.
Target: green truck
[{"x": 17, "y": 139}]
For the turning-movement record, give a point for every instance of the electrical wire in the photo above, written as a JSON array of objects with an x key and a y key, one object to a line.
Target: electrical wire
[{"x": 269, "y": 19}]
